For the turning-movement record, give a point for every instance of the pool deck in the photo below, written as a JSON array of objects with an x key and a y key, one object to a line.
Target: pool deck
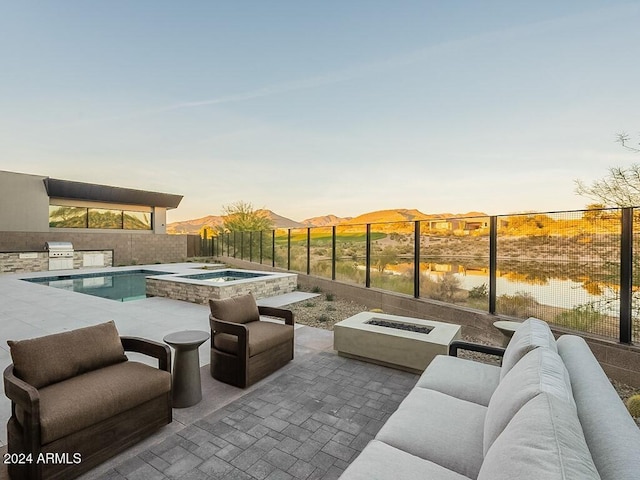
[
  {"x": 308, "y": 420},
  {"x": 31, "y": 310}
]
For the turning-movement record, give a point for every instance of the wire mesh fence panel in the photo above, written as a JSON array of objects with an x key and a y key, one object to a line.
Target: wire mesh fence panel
[
  {"x": 281, "y": 248},
  {"x": 392, "y": 256},
  {"x": 635, "y": 281},
  {"x": 562, "y": 267},
  {"x": 350, "y": 253},
  {"x": 298, "y": 250},
  {"x": 454, "y": 260},
  {"x": 320, "y": 253}
]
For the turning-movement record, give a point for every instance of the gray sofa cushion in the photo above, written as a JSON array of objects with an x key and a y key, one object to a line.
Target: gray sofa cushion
[
  {"x": 543, "y": 441},
  {"x": 612, "y": 435},
  {"x": 379, "y": 461},
  {"x": 540, "y": 370},
  {"x": 439, "y": 428},
  {"x": 533, "y": 333},
  {"x": 46, "y": 360},
  {"x": 460, "y": 378}
]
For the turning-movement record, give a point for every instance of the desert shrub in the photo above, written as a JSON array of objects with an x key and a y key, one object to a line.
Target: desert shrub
[
  {"x": 582, "y": 317},
  {"x": 324, "y": 318},
  {"x": 520, "y": 304},
  {"x": 446, "y": 289},
  {"x": 633, "y": 405},
  {"x": 480, "y": 292},
  {"x": 329, "y": 297},
  {"x": 316, "y": 289}
]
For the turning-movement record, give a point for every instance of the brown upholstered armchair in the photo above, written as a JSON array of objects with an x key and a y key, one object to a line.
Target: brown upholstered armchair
[
  {"x": 244, "y": 348},
  {"x": 77, "y": 399}
]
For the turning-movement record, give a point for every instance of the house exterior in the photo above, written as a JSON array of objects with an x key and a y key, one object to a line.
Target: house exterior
[{"x": 129, "y": 224}]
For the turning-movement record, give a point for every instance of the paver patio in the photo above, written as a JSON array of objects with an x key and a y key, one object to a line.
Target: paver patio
[{"x": 306, "y": 421}]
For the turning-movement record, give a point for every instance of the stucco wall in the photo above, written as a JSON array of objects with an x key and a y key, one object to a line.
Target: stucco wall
[{"x": 24, "y": 203}]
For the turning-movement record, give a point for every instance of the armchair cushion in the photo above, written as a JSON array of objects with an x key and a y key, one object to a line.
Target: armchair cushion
[
  {"x": 46, "y": 360},
  {"x": 533, "y": 333},
  {"x": 263, "y": 336},
  {"x": 242, "y": 309},
  {"x": 96, "y": 396}
]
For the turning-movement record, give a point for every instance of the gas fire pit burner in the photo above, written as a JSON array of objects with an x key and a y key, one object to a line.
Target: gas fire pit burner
[{"x": 400, "y": 326}]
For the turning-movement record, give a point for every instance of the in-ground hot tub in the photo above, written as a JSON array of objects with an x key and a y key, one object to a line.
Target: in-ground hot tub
[{"x": 224, "y": 283}]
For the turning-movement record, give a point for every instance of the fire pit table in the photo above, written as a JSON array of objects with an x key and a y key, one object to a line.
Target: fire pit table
[{"x": 400, "y": 342}]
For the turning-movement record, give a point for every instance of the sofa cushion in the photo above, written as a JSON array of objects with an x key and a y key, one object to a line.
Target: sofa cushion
[
  {"x": 46, "y": 360},
  {"x": 379, "y": 461},
  {"x": 439, "y": 428},
  {"x": 533, "y": 333},
  {"x": 242, "y": 309},
  {"x": 612, "y": 435},
  {"x": 263, "y": 335},
  {"x": 79, "y": 402},
  {"x": 544, "y": 441},
  {"x": 540, "y": 370},
  {"x": 461, "y": 378}
]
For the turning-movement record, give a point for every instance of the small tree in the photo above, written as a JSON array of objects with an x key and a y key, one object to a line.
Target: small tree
[
  {"x": 621, "y": 187},
  {"x": 242, "y": 217}
]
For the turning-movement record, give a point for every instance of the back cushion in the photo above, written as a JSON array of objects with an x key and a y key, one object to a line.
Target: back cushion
[
  {"x": 533, "y": 333},
  {"x": 540, "y": 370},
  {"x": 543, "y": 441},
  {"x": 242, "y": 309},
  {"x": 51, "y": 359}
]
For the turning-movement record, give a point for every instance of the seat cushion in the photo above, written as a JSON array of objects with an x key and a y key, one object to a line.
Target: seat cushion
[
  {"x": 533, "y": 333},
  {"x": 85, "y": 400},
  {"x": 262, "y": 336},
  {"x": 241, "y": 309},
  {"x": 379, "y": 461},
  {"x": 543, "y": 441},
  {"x": 438, "y": 427},
  {"x": 46, "y": 360},
  {"x": 540, "y": 370},
  {"x": 460, "y": 378}
]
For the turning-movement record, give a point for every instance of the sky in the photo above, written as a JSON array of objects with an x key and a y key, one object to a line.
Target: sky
[{"x": 315, "y": 108}]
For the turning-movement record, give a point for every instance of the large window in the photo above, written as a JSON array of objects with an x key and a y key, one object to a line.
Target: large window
[{"x": 61, "y": 216}]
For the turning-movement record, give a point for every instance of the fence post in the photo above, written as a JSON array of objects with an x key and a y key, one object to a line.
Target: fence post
[
  {"x": 493, "y": 261},
  {"x": 260, "y": 247},
  {"x": 333, "y": 252},
  {"x": 626, "y": 275},
  {"x": 288, "y": 249},
  {"x": 416, "y": 259},
  {"x": 367, "y": 260},
  {"x": 308, "y": 250},
  {"x": 250, "y": 246},
  {"x": 273, "y": 248}
]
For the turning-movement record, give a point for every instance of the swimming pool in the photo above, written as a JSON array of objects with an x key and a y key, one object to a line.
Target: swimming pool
[{"x": 122, "y": 286}]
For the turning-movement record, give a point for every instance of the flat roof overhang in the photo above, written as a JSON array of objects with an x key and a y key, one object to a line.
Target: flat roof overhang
[{"x": 104, "y": 193}]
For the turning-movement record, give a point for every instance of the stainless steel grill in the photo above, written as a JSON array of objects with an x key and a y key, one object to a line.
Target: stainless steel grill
[{"x": 60, "y": 255}]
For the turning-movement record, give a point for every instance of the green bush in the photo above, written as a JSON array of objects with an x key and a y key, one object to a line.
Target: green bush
[
  {"x": 480, "y": 292},
  {"x": 633, "y": 404},
  {"x": 520, "y": 304},
  {"x": 582, "y": 317},
  {"x": 329, "y": 297}
]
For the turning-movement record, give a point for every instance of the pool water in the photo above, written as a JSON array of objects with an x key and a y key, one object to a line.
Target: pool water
[
  {"x": 226, "y": 275},
  {"x": 119, "y": 286}
]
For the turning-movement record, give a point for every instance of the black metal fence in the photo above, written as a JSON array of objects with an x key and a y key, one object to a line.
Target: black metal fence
[{"x": 576, "y": 269}]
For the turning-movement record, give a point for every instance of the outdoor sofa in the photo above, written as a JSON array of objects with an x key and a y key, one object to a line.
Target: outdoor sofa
[
  {"x": 549, "y": 412},
  {"x": 76, "y": 400}
]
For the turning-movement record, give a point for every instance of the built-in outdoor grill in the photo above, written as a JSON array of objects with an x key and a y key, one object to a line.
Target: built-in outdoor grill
[{"x": 60, "y": 255}]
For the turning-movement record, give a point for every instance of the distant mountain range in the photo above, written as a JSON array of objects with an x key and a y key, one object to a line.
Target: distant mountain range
[{"x": 379, "y": 216}]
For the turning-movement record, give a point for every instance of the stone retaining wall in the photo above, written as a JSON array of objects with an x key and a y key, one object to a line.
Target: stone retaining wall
[
  {"x": 22, "y": 262},
  {"x": 198, "y": 291}
]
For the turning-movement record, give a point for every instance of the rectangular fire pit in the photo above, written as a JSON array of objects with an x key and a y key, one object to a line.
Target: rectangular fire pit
[{"x": 395, "y": 341}]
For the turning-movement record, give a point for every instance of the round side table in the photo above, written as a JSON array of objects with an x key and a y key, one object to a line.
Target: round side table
[
  {"x": 187, "y": 390},
  {"x": 507, "y": 329}
]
